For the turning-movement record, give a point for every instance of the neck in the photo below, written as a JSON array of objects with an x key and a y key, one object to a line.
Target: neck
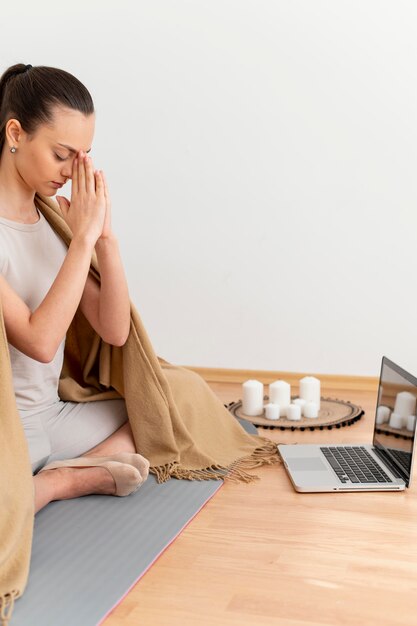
[{"x": 16, "y": 198}]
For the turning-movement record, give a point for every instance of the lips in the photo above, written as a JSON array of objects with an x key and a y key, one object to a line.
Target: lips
[{"x": 57, "y": 184}]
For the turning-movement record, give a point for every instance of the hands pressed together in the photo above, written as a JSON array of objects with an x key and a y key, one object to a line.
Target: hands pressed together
[{"x": 89, "y": 213}]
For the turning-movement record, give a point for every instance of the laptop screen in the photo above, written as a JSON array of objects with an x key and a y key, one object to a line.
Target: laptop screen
[{"x": 395, "y": 419}]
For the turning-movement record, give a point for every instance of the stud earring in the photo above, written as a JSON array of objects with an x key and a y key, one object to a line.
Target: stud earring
[{"x": 12, "y": 149}]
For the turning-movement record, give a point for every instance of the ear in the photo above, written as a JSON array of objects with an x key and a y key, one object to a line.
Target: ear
[{"x": 14, "y": 132}]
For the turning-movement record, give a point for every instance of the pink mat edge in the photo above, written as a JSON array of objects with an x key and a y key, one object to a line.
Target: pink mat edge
[{"x": 160, "y": 553}]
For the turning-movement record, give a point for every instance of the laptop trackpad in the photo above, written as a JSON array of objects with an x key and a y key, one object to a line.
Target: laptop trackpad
[{"x": 308, "y": 464}]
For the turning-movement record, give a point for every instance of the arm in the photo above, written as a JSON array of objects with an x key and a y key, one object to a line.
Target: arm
[
  {"x": 39, "y": 333},
  {"x": 107, "y": 306}
]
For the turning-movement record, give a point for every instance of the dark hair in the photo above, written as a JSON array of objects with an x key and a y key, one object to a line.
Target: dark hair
[{"x": 29, "y": 94}]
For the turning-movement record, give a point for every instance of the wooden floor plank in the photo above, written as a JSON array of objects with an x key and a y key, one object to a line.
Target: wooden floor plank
[{"x": 262, "y": 554}]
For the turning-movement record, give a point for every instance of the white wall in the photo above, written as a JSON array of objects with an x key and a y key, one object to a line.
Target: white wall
[{"x": 261, "y": 157}]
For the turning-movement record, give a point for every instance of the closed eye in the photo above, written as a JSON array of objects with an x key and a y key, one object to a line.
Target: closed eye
[{"x": 59, "y": 158}]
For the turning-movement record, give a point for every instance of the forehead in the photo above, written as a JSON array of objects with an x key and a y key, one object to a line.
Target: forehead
[{"x": 71, "y": 128}]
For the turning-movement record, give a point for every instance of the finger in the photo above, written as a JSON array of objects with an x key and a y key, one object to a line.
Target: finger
[
  {"x": 90, "y": 183},
  {"x": 99, "y": 184},
  {"x": 74, "y": 183},
  {"x": 106, "y": 189},
  {"x": 81, "y": 175},
  {"x": 61, "y": 204},
  {"x": 64, "y": 204}
]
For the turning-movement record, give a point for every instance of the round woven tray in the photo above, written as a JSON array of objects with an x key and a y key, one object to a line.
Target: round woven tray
[
  {"x": 398, "y": 433},
  {"x": 333, "y": 414}
]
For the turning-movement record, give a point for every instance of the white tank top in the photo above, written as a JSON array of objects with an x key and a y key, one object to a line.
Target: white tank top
[{"x": 31, "y": 255}]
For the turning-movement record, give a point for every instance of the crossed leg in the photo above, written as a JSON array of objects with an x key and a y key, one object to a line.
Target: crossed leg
[{"x": 72, "y": 482}]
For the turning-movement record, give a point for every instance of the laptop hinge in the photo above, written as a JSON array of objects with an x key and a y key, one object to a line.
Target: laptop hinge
[{"x": 395, "y": 469}]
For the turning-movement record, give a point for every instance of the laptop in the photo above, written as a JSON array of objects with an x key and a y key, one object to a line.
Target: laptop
[{"x": 384, "y": 465}]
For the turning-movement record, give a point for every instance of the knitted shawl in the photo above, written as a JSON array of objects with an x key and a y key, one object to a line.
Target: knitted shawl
[{"x": 178, "y": 423}]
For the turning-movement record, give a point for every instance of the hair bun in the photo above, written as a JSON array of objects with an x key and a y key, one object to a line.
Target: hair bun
[{"x": 21, "y": 69}]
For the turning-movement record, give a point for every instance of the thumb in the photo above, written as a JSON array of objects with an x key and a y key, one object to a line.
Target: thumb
[{"x": 63, "y": 204}]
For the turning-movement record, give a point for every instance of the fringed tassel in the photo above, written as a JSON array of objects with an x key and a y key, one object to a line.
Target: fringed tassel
[
  {"x": 264, "y": 455},
  {"x": 162, "y": 472},
  {"x": 6, "y": 606},
  {"x": 267, "y": 454}
]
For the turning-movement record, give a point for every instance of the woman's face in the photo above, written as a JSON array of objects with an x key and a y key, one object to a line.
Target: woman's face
[{"x": 47, "y": 156}]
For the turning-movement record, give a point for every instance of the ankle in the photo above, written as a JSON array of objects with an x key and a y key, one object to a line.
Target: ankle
[
  {"x": 45, "y": 489},
  {"x": 109, "y": 451}
]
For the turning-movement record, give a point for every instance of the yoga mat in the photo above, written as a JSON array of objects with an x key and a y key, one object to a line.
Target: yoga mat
[{"x": 88, "y": 552}]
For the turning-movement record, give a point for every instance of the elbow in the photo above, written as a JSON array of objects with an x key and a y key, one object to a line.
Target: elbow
[
  {"x": 118, "y": 340},
  {"x": 40, "y": 346},
  {"x": 44, "y": 357},
  {"x": 114, "y": 340},
  {"x": 44, "y": 354}
]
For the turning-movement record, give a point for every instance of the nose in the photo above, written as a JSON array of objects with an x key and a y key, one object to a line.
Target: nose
[{"x": 66, "y": 170}]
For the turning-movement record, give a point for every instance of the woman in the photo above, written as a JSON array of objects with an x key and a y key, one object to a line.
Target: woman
[{"x": 46, "y": 130}]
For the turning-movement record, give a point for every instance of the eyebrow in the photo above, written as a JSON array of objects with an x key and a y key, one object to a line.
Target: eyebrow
[{"x": 71, "y": 149}]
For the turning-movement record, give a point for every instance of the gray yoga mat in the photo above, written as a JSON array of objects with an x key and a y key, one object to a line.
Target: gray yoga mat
[{"x": 88, "y": 552}]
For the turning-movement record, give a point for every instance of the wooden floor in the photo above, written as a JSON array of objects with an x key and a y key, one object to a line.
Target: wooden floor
[{"x": 262, "y": 554}]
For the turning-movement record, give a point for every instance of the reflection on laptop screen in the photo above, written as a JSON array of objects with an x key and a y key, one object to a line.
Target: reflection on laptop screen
[{"x": 395, "y": 420}]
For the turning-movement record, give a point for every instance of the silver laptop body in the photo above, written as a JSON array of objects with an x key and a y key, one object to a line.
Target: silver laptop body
[{"x": 384, "y": 465}]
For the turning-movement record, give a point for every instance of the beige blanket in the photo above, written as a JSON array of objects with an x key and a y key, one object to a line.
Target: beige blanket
[{"x": 178, "y": 423}]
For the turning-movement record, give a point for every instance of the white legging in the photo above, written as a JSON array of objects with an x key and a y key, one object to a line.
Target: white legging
[{"x": 65, "y": 430}]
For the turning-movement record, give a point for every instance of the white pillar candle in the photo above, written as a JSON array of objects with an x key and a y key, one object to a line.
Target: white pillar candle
[
  {"x": 311, "y": 409},
  {"x": 253, "y": 397},
  {"x": 294, "y": 412},
  {"x": 382, "y": 414},
  {"x": 411, "y": 422},
  {"x": 272, "y": 411},
  {"x": 405, "y": 404},
  {"x": 280, "y": 393},
  {"x": 301, "y": 403},
  {"x": 310, "y": 390},
  {"x": 396, "y": 420}
]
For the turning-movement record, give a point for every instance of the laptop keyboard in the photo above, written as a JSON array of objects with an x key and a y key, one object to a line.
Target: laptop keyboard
[
  {"x": 403, "y": 458},
  {"x": 355, "y": 465}
]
